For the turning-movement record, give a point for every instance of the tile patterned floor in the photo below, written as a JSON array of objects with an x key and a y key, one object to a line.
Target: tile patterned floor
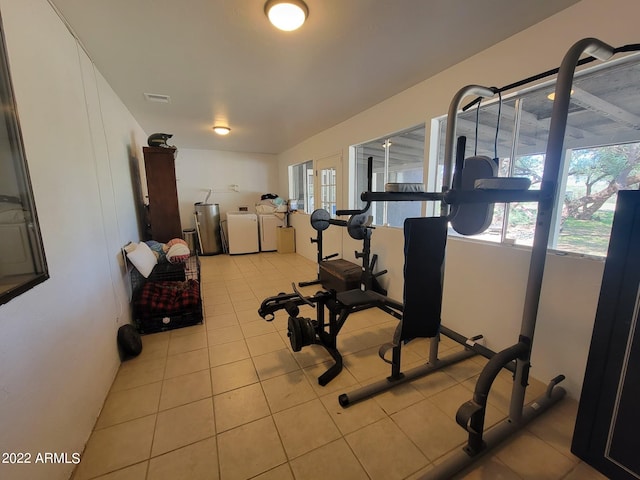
[{"x": 229, "y": 400}]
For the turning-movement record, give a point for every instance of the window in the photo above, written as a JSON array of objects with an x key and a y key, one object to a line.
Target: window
[
  {"x": 602, "y": 153},
  {"x": 301, "y": 186},
  {"x": 328, "y": 189},
  {"x": 22, "y": 261},
  {"x": 396, "y": 158}
]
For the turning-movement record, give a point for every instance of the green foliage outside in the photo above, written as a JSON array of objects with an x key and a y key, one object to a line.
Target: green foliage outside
[
  {"x": 594, "y": 178},
  {"x": 590, "y": 237}
]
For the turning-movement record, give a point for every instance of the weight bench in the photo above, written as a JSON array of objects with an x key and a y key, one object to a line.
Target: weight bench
[
  {"x": 419, "y": 314},
  {"x": 332, "y": 311},
  {"x": 424, "y": 249},
  {"x": 425, "y": 241}
]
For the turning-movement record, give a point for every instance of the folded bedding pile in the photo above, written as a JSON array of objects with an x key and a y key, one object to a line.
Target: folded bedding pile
[{"x": 166, "y": 298}]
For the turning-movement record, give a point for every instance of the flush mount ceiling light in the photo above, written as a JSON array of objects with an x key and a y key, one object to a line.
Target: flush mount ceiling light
[
  {"x": 221, "y": 130},
  {"x": 286, "y": 15}
]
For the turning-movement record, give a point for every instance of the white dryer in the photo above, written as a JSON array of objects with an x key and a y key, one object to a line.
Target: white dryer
[
  {"x": 242, "y": 232},
  {"x": 269, "y": 225}
]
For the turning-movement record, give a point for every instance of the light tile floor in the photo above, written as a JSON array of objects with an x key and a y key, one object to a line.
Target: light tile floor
[{"x": 230, "y": 400}]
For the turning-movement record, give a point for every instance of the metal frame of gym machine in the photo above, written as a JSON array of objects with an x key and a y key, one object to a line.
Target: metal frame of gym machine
[
  {"x": 471, "y": 414},
  {"x": 320, "y": 258},
  {"x": 304, "y": 331},
  {"x": 359, "y": 228}
]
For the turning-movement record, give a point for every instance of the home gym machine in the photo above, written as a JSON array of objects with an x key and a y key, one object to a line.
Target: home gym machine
[
  {"x": 466, "y": 199},
  {"x": 341, "y": 275},
  {"x": 323, "y": 331},
  {"x": 485, "y": 191},
  {"x": 337, "y": 306},
  {"x": 320, "y": 258}
]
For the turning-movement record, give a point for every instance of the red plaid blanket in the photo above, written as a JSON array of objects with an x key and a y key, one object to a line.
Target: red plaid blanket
[{"x": 167, "y": 298}]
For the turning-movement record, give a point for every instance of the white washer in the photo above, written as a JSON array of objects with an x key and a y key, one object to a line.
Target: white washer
[
  {"x": 242, "y": 232},
  {"x": 269, "y": 224}
]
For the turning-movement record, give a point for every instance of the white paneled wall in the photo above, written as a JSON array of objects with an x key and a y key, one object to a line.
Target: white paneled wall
[{"x": 58, "y": 344}]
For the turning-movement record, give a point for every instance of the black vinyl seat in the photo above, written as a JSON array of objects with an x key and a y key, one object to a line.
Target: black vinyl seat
[{"x": 358, "y": 298}]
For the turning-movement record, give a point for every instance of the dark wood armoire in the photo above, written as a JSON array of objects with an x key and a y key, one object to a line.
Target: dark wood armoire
[{"x": 163, "y": 211}]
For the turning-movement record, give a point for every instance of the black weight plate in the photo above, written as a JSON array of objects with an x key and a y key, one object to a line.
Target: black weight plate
[
  {"x": 294, "y": 332},
  {"x": 320, "y": 219},
  {"x": 356, "y": 226},
  {"x": 308, "y": 332}
]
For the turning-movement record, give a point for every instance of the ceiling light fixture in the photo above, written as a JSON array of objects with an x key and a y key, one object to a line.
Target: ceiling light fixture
[
  {"x": 221, "y": 130},
  {"x": 286, "y": 15}
]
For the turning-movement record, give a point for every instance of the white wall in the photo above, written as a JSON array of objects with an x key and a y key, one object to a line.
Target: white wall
[
  {"x": 484, "y": 284},
  {"x": 197, "y": 171},
  {"x": 331, "y": 237},
  {"x": 58, "y": 352}
]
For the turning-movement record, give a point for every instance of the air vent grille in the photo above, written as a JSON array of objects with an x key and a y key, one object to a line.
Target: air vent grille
[{"x": 156, "y": 97}]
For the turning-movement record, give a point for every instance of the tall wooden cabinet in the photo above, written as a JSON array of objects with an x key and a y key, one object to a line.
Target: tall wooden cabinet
[{"x": 163, "y": 213}]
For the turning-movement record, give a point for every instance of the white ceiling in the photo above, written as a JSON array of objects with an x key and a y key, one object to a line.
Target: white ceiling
[{"x": 221, "y": 61}]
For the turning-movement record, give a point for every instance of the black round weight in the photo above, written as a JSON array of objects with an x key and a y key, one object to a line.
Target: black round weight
[
  {"x": 357, "y": 226},
  {"x": 320, "y": 219},
  {"x": 294, "y": 332},
  {"x": 308, "y": 331},
  {"x": 301, "y": 332}
]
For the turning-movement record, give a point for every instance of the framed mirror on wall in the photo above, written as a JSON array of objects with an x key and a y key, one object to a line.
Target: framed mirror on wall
[{"x": 22, "y": 259}]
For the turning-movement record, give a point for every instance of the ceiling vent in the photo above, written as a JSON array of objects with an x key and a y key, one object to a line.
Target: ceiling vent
[{"x": 157, "y": 98}]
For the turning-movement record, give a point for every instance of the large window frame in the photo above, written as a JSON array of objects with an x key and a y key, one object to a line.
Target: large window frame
[
  {"x": 397, "y": 157},
  {"x": 301, "y": 186},
  {"x": 22, "y": 259},
  {"x": 587, "y": 158},
  {"x": 327, "y": 185}
]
